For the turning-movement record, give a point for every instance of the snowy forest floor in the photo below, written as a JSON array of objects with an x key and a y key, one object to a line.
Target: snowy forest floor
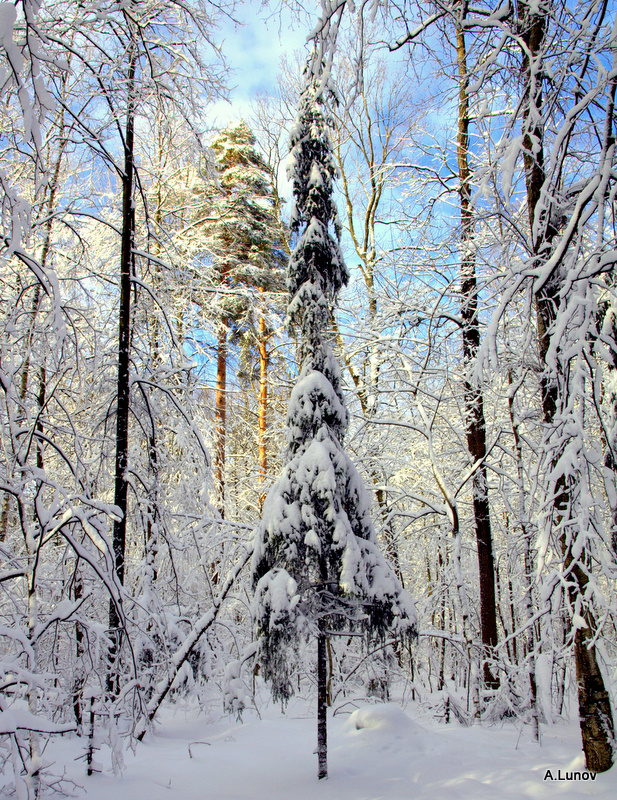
[{"x": 394, "y": 755}]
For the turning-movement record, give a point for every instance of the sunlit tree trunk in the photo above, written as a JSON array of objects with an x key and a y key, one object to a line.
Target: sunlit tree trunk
[
  {"x": 262, "y": 411},
  {"x": 220, "y": 418}
]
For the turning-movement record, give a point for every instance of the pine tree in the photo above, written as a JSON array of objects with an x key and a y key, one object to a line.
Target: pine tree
[
  {"x": 243, "y": 244},
  {"x": 316, "y": 566}
]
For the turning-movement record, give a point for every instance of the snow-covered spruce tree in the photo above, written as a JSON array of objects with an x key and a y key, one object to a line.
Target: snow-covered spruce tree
[{"x": 316, "y": 565}]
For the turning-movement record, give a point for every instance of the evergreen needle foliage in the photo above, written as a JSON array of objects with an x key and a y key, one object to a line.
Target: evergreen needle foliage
[{"x": 317, "y": 566}]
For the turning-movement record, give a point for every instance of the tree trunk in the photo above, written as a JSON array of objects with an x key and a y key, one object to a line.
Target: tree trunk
[
  {"x": 595, "y": 713},
  {"x": 79, "y": 678},
  {"x": 322, "y": 702},
  {"x": 530, "y": 645},
  {"x": 607, "y": 324},
  {"x": 263, "y": 408},
  {"x": 474, "y": 404},
  {"x": 36, "y": 299},
  {"x": 123, "y": 380},
  {"x": 220, "y": 415}
]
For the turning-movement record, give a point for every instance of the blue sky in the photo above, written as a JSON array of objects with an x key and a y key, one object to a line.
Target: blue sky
[{"x": 254, "y": 51}]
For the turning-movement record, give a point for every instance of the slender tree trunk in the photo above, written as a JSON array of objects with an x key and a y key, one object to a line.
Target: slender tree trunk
[
  {"x": 450, "y": 502},
  {"x": 607, "y": 322},
  {"x": 34, "y": 541},
  {"x": 473, "y": 694},
  {"x": 322, "y": 673},
  {"x": 474, "y": 403},
  {"x": 220, "y": 417},
  {"x": 36, "y": 299},
  {"x": 528, "y": 571},
  {"x": 263, "y": 408},
  {"x": 442, "y": 626},
  {"x": 34, "y": 778},
  {"x": 595, "y": 712},
  {"x": 80, "y": 649},
  {"x": 123, "y": 380},
  {"x": 34, "y": 546},
  {"x": 607, "y": 328},
  {"x": 25, "y": 372},
  {"x": 151, "y": 544},
  {"x": 322, "y": 701},
  {"x": 513, "y": 618},
  {"x": 4, "y": 516}
]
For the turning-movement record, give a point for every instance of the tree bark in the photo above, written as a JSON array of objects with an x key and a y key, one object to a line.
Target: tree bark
[
  {"x": 322, "y": 702},
  {"x": 262, "y": 410},
  {"x": 530, "y": 644},
  {"x": 79, "y": 678},
  {"x": 123, "y": 380},
  {"x": 36, "y": 299},
  {"x": 220, "y": 416},
  {"x": 475, "y": 424},
  {"x": 595, "y": 713}
]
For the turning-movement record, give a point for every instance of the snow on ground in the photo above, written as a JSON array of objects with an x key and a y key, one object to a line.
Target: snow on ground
[{"x": 379, "y": 752}]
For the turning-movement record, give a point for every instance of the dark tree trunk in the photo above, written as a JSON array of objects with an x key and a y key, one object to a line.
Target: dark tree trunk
[
  {"x": 322, "y": 672},
  {"x": 322, "y": 701},
  {"x": 80, "y": 649},
  {"x": 474, "y": 403},
  {"x": 596, "y": 718},
  {"x": 123, "y": 382}
]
